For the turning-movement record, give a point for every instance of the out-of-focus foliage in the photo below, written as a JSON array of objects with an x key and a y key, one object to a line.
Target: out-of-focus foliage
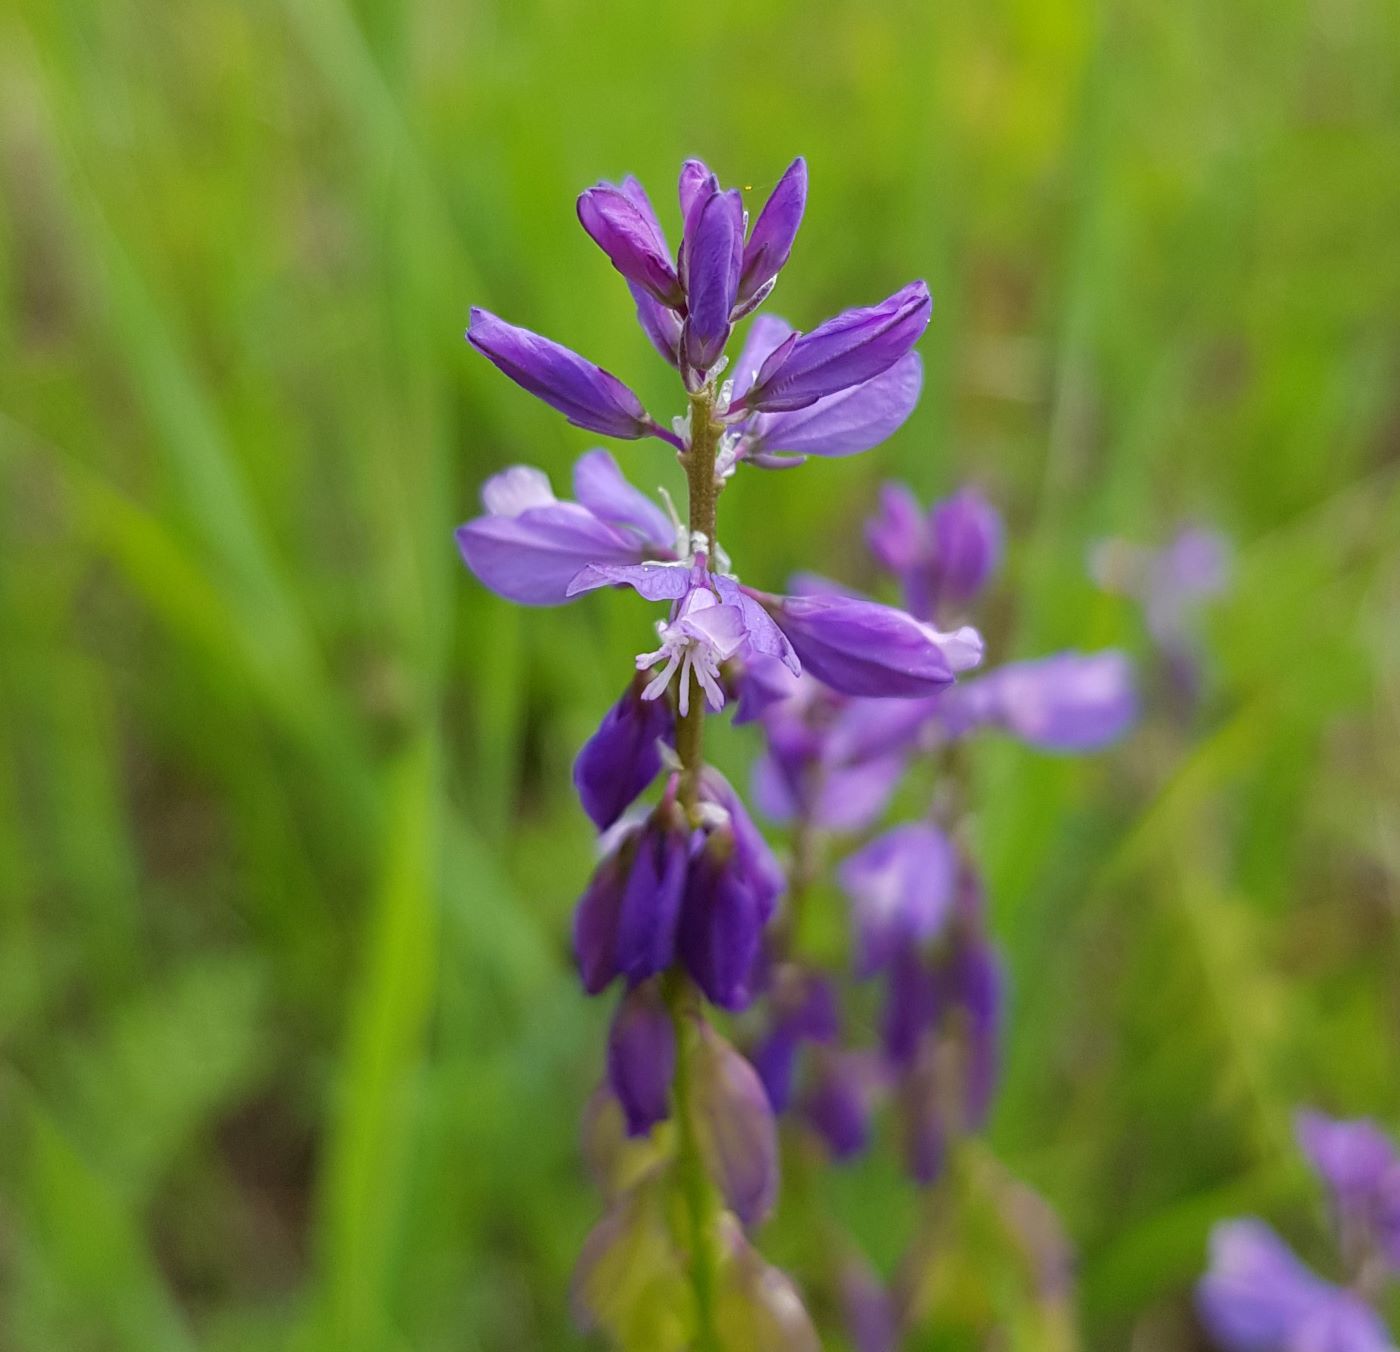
[{"x": 292, "y": 1054}]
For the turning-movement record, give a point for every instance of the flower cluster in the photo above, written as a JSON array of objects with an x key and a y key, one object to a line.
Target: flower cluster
[
  {"x": 683, "y": 1134},
  {"x": 1259, "y": 1297},
  {"x": 833, "y": 761}
]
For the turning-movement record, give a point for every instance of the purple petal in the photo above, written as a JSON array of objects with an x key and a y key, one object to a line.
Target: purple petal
[
  {"x": 1359, "y": 1164},
  {"x": 694, "y": 175},
  {"x": 753, "y": 858},
  {"x": 623, "y": 756},
  {"x": 596, "y": 919},
  {"x": 602, "y": 487},
  {"x": 897, "y": 534},
  {"x": 775, "y": 1059},
  {"x": 845, "y": 423},
  {"x": 632, "y": 240},
  {"x": 1068, "y": 702},
  {"x": 867, "y": 1309},
  {"x": 734, "y": 1121},
  {"x": 862, "y": 648},
  {"x": 852, "y": 797},
  {"x": 901, "y": 889},
  {"x": 1257, "y": 1297},
  {"x": 642, "y": 1058},
  {"x": 764, "y": 639},
  {"x": 713, "y": 244},
  {"x": 719, "y": 930},
  {"x": 866, "y": 729},
  {"x": 967, "y": 537},
  {"x": 848, "y": 350},
  {"x": 770, "y": 240},
  {"x": 651, "y": 903},
  {"x": 588, "y": 396},
  {"x": 660, "y": 324},
  {"x": 765, "y": 335},
  {"x": 976, "y": 983},
  {"x": 516, "y": 490},
  {"x": 651, "y": 581},
  {"x": 911, "y": 1005},
  {"x": 838, "y": 1104}
]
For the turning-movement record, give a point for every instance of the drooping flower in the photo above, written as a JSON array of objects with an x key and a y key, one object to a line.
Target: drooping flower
[
  {"x": 642, "y": 1057},
  {"x": 623, "y": 756},
  {"x": 1257, "y": 1297}
]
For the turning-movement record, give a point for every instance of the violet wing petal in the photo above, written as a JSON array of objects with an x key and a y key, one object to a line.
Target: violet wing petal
[
  {"x": 711, "y": 276},
  {"x": 532, "y": 558},
  {"x": 602, "y": 487},
  {"x": 651, "y": 902},
  {"x": 845, "y": 423}
]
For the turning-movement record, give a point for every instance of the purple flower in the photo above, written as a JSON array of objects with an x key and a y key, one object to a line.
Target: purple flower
[
  {"x": 1257, "y": 1297},
  {"x": 588, "y": 396},
  {"x": 738, "y": 1136},
  {"x": 848, "y": 350},
  {"x": 650, "y": 907},
  {"x": 1068, "y": 702},
  {"x": 802, "y": 1009},
  {"x": 728, "y": 901},
  {"x": 901, "y": 891},
  {"x": 642, "y": 1058},
  {"x": 1192, "y": 569},
  {"x": 837, "y": 1104},
  {"x": 943, "y": 560},
  {"x": 860, "y": 647},
  {"x": 911, "y": 1006},
  {"x": 770, "y": 240},
  {"x": 975, "y": 985},
  {"x": 596, "y": 918},
  {"x": 711, "y": 257},
  {"x": 623, "y": 756},
  {"x": 622, "y": 224},
  {"x": 530, "y": 546},
  {"x": 713, "y": 619},
  {"x": 867, "y": 1308},
  {"x": 1361, "y": 1168}
]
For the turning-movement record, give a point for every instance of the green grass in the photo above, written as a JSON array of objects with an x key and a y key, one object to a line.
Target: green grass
[{"x": 292, "y": 1054}]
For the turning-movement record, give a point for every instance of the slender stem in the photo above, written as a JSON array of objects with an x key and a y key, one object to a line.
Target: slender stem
[
  {"x": 696, "y": 1188},
  {"x": 697, "y": 1192},
  {"x": 699, "y": 462}
]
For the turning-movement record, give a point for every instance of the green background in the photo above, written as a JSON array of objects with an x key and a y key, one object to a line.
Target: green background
[{"x": 292, "y": 1052}]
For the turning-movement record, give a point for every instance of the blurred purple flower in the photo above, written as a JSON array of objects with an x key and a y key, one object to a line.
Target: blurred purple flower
[
  {"x": 1361, "y": 1168},
  {"x": 1068, "y": 702},
  {"x": 901, "y": 891},
  {"x": 734, "y": 1121},
  {"x": 1257, "y": 1297},
  {"x": 838, "y": 1101},
  {"x": 642, "y": 1057},
  {"x": 943, "y": 560}
]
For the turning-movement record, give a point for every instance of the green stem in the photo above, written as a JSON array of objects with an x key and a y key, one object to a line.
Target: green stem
[
  {"x": 699, "y": 462},
  {"x": 696, "y": 1189},
  {"x": 697, "y": 1192}
]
